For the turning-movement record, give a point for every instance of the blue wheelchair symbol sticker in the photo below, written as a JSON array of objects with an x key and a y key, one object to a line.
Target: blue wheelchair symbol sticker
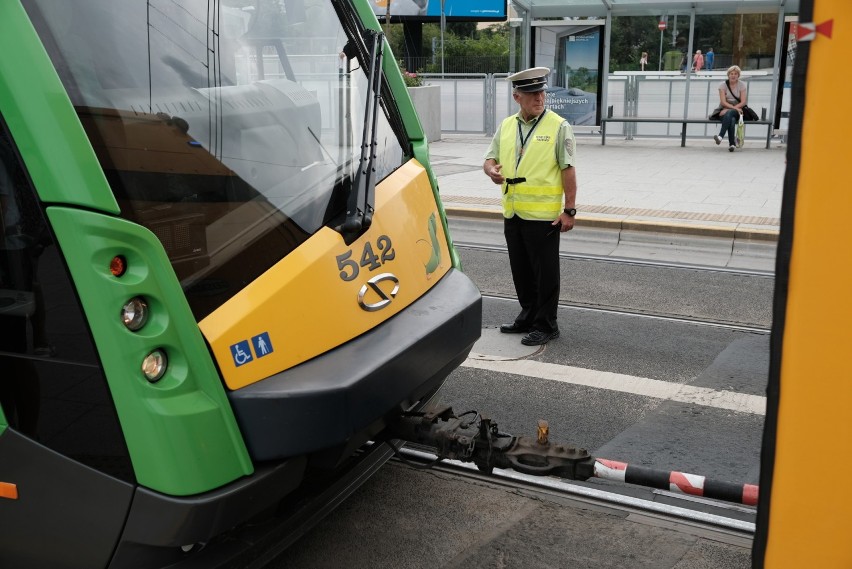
[
  {"x": 262, "y": 345},
  {"x": 241, "y": 353}
]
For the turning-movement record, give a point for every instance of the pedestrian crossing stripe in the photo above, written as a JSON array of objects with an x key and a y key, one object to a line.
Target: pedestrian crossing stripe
[{"x": 667, "y": 390}]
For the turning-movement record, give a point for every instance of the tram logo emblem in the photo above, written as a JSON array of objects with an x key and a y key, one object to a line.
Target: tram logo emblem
[{"x": 378, "y": 292}]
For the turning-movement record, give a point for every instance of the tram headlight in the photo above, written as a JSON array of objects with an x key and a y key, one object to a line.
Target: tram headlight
[
  {"x": 134, "y": 314},
  {"x": 154, "y": 365}
]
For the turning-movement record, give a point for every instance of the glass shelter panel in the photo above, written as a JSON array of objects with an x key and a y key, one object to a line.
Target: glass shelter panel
[{"x": 746, "y": 40}]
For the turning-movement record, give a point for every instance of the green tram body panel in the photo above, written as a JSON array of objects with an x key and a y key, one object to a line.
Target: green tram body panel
[
  {"x": 42, "y": 120},
  {"x": 181, "y": 435},
  {"x": 180, "y": 432}
]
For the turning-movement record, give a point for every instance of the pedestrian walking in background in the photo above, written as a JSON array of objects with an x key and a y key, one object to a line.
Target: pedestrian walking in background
[
  {"x": 697, "y": 61},
  {"x": 532, "y": 158},
  {"x": 733, "y": 96},
  {"x": 643, "y": 61},
  {"x": 709, "y": 57}
]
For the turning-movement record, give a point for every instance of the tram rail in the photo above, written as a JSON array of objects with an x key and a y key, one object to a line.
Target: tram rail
[
  {"x": 732, "y": 520},
  {"x": 728, "y": 320},
  {"x": 629, "y": 261},
  {"x": 652, "y": 315}
]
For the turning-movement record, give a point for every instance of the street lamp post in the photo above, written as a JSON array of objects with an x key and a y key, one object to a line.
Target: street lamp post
[{"x": 662, "y": 27}]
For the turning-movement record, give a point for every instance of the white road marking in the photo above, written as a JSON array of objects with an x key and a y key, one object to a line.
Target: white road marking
[{"x": 730, "y": 400}]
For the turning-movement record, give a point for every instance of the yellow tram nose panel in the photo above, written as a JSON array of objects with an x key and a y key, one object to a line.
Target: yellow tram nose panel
[{"x": 326, "y": 292}]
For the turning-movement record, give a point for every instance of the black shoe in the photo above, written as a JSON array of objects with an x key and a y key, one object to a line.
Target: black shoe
[
  {"x": 539, "y": 338},
  {"x": 514, "y": 328}
]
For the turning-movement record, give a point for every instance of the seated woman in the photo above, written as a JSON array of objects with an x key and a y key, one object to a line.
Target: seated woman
[{"x": 733, "y": 95}]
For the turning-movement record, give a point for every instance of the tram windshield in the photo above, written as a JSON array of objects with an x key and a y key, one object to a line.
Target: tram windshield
[{"x": 229, "y": 128}]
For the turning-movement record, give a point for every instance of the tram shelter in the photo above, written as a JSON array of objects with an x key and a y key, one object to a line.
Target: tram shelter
[{"x": 595, "y": 47}]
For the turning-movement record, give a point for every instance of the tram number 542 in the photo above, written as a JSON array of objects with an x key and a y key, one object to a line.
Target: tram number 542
[{"x": 349, "y": 268}]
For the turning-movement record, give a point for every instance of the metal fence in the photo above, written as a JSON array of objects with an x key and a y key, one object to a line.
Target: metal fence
[
  {"x": 472, "y": 103},
  {"x": 467, "y": 64},
  {"x": 475, "y": 103},
  {"x": 664, "y": 94},
  {"x": 466, "y": 101}
]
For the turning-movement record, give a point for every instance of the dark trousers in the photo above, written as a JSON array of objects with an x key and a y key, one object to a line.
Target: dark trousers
[
  {"x": 534, "y": 260},
  {"x": 730, "y": 120}
]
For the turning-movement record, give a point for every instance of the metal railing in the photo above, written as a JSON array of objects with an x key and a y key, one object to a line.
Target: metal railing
[
  {"x": 468, "y": 64},
  {"x": 476, "y": 103},
  {"x": 663, "y": 95},
  {"x": 466, "y": 101}
]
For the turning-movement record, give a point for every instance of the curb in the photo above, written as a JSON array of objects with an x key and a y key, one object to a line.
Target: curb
[{"x": 722, "y": 231}]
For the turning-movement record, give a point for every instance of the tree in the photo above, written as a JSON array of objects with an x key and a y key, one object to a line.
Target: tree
[
  {"x": 630, "y": 36},
  {"x": 462, "y": 29},
  {"x": 493, "y": 42}
]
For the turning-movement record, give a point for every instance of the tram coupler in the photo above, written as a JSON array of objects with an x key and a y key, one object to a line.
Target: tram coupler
[{"x": 472, "y": 437}]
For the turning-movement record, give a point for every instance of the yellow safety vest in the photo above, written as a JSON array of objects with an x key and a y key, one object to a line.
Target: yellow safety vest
[{"x": 540, "y": 196}]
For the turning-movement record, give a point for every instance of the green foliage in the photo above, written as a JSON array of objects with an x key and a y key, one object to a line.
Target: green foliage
[
  {"x": 467, "y": 47},
  {"x": 492, "y": 41},
  {"x": 631, "y": 35},
  {"x": 736, "y": 36},
  {"x": 462, "y": 29}
]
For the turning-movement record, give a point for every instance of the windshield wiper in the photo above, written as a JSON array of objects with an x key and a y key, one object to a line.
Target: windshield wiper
[{"x": 362, "y": 195}]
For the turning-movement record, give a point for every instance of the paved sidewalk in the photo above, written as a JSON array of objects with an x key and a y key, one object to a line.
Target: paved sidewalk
[{"x": 653, "y": 184}]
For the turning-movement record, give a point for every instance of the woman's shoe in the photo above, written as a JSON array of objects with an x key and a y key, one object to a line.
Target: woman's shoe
[
  {"x": 731, "y": 148},
  {"x": 718, "y": 139}
]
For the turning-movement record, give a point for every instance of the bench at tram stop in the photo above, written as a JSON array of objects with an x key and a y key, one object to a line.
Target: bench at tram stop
[{"x": 682, "y": 121}]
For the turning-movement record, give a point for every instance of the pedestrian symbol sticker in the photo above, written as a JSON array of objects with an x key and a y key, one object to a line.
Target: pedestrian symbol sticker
[
  {"x": 241, "y": 353},
  {"x": 262, "y": 345}
]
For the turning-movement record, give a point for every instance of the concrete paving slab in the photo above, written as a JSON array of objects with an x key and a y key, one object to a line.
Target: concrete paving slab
[{"x": 655, "y": 180}]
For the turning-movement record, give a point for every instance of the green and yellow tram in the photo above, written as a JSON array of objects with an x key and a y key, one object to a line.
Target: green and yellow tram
[{"x": 224, "y": 266}]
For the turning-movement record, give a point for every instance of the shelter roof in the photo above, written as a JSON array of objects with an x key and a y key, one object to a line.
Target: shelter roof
[{"x": 599, "y": 8}]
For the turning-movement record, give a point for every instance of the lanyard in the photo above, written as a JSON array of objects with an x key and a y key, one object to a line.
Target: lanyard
[{"x": 525, "y": 139}]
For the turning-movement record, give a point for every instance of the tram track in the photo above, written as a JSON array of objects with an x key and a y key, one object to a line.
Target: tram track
[
  {"x": 651, "y": 315},
  {"x": 733, "y": 522},
  {"x": 709, "y": 296},
  {"x": 629, "y": 261}
]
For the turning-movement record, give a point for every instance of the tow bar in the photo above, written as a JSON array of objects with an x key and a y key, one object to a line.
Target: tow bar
[{"x": 472, "y": 437}]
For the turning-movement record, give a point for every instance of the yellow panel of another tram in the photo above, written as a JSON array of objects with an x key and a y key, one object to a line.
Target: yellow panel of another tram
[
  {"x": 811, "y": 500},
  {"x": 326, "y": 292}
]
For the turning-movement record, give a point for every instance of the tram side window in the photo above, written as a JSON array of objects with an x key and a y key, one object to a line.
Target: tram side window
[{"x": 52, "y": 387}]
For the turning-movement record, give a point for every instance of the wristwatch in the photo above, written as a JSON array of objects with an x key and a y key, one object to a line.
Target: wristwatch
[{"x": 570, "y": 211}]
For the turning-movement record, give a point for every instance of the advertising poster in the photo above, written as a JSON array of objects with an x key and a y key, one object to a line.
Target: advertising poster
[
  {"x": 430, "y": 10},
  {"x": 575, "y": 97}
]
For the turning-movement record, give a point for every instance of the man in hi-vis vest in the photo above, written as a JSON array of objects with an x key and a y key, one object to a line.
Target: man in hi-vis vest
[{"x": 532, "y": 159}]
